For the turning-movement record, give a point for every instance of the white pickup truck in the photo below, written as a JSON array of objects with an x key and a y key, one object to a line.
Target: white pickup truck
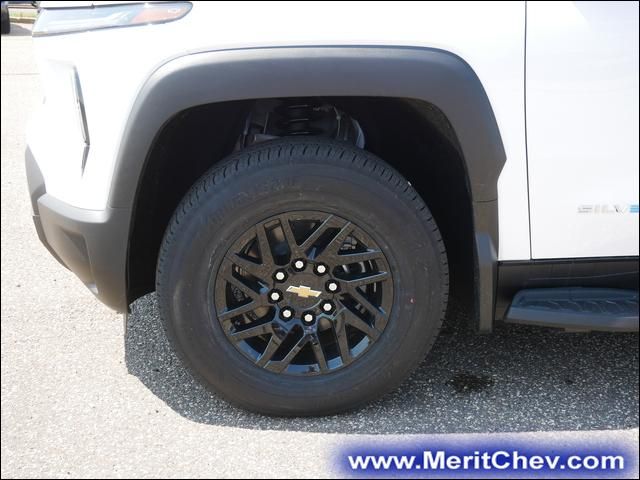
[{"x": 305, "y": 183}]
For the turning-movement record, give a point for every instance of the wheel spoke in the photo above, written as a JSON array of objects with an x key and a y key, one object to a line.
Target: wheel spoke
[
  {"x": 249, "y": 292},
  {"x": 290, "y": 238},
  {"x": 267, "y": 355},
  {"x": 366, "y": 303},
  {"x": 317, "y": 233},
  {"x": 343, "y": 343},
  {"x": 355, "y": 321},
  {"x": 284, "y": 363},
  {"x": 254, "y": 331},
  {"x": 319, "y": 353},
  {"x": 263, "y": 245},
  {"x": 349, "y": 258},
  {"x": 255, "y": 269},
  {"x": 333, "y": 247},
  {"x": 234, "y": 312},
  {"x": 366, "y": 280}
]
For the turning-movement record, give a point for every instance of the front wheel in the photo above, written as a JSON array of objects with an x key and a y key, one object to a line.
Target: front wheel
[{"x": 302, "y": 277}]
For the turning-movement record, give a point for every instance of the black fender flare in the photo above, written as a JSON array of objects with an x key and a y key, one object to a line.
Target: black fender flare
[{"x": 435, "y": 76}]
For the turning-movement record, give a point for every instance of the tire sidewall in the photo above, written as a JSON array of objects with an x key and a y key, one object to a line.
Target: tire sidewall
[{"x": 240, "y": 201}]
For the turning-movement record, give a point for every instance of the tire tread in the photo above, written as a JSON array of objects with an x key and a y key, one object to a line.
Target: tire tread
[{"x": 333, "y": 152}]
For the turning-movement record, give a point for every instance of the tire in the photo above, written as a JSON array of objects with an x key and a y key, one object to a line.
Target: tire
[{"x": 288, "y": 179}]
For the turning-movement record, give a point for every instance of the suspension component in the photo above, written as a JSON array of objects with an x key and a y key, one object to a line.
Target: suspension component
[{"x": 272, "y": 119}]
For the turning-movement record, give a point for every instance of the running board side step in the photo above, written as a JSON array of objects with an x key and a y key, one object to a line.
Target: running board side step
[{"x": 576, "y": 309}]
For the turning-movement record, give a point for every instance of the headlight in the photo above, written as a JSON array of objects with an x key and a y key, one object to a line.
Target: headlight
[{"x": 80, "y": 19}]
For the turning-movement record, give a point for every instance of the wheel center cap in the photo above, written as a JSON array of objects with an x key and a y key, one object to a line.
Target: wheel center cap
[{"x": 303, "y": 290}]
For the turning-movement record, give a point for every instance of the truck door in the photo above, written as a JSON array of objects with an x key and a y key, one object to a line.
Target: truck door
[{"x": 582, "y": 128}]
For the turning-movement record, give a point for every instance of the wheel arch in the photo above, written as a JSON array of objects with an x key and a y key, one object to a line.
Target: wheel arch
[{"x": 433, "y": 76}]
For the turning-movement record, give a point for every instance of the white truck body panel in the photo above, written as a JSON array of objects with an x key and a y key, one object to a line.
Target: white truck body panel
[
  {"x": 582, "y": 128},
  {"x": 113, "y": 65}
]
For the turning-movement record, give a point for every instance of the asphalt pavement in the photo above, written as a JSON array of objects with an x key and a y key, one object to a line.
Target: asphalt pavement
[{"x": 83, "y": 397}]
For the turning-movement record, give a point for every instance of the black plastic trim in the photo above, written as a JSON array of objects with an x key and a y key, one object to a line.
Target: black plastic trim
[
  {"x": 435, "y": 76},
  {"x": 605, "y": 272},
  {"x": 602, "y": 309},
  {"x": 91, "y": 243},
  {"x": 486, "y": 245}
]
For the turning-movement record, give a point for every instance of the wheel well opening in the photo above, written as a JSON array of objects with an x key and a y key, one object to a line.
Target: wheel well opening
[{"x": 413, "y": 136}]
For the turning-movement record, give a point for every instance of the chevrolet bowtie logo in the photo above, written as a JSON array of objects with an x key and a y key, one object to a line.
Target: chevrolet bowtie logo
[{"x": 304, "y": 292}]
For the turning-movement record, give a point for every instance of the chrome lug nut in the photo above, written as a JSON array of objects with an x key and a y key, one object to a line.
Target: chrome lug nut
[
  {"x": 308, "y": 318},
  {"x": 327, "y": 307},
  {"x": 320, "y": 269},
  {"x": 299, "y": 265},
  {"x": 286, "y": 313},
  {"x": 332, "y": 286},
  {"x": 275, "y": 295},
  {"x": 280, "y": 276}
]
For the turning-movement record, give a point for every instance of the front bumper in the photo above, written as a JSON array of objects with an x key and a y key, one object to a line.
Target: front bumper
[{"x": 90, "y": 243}]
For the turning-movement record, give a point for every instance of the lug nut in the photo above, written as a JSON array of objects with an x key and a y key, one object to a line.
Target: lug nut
[
  {"x": 332, "y": 286},
  {"x": 320, "y": 269},
  {"x": 327, "y": 307},
  {"x": 280, "y": 276},
  {"x": 308, "y": 317},
  {"x": 299, "y": 265},
  {"x": 286, "y": 313},
  {"x": 275, "y": 295}
]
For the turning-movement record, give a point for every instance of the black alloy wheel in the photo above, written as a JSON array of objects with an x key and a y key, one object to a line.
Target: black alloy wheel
[
  {"x": 303, "y": 293},
  {"x": 302, "y": 277}
]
